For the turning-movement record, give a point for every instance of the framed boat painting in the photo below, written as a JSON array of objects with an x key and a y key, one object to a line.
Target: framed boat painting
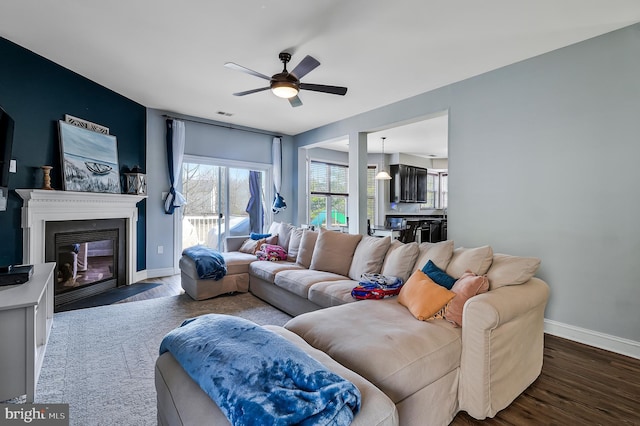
[{"x": 89, "y": 160}]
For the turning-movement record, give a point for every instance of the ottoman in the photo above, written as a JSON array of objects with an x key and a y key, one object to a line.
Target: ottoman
[
  {"x": 182, "y": 402},
  {"x": 236, "y": 280}
]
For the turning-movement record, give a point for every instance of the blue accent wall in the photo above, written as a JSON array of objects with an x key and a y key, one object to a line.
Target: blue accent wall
[{"x": 37, "y": 93}]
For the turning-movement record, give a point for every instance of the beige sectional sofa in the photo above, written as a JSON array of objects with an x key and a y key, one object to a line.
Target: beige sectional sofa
[{"x": 430, "y": 370}]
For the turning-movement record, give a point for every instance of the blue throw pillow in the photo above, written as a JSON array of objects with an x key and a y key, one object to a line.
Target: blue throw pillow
[
  {"x": 438, "y": 275},
  {"x": 255, "y": 236}
]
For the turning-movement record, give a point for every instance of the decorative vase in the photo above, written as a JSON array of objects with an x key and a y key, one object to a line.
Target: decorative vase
[{"x": 46, "y": 177}]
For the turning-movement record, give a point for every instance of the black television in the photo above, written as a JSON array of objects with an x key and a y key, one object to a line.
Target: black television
[{"x": 6, "y": 143}]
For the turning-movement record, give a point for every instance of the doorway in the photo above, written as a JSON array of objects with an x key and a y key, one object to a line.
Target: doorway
[{"x": 224, "y": 199}]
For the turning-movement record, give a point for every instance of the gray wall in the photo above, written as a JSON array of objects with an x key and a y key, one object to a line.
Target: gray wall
[
  {"x": 530, "y": 171},
  {"x": 208, "y": 141}
]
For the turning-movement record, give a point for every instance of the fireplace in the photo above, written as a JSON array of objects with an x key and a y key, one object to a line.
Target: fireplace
[
  {"x": 89, "y": 255},
  {"x": 84, "y": 213}
]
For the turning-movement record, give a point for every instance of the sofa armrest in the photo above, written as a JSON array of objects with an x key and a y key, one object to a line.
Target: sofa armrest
[
  {"x": 234, "y": 243},
  {"x": 502, "y": 346}
]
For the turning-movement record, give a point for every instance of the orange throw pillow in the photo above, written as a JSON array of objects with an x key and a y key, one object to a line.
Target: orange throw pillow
[
  {"x": 467, "y": 286},
  {"x": 423, "y": 297}
]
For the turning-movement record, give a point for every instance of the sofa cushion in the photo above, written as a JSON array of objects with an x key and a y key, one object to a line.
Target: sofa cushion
[
  {"x": 391, "y": 349},
  {"x": 423, "y": 297},
  {"x": 467, "y": 286},
  {"x": 284, "y": 233},
  {"x": 438, "y": 275},
  {"x": 299, "y": 281},
  {"x": 476, "y": 260},
  {"x": 307, "y": 247},
  {"x": 332, "y": 293},
  {"x": 439, "y": 253},
  {"x": 267, "y": 270},
  {"x": 334, "y": 251},
  {"x": 238, "y": 263},
  {"x": 181, "y": 401},
  {"x": 511, "y": 270},
  {"x": 251, "y": 245},
  {"x": 400, "y": 259},
  {"x": 286, "y": 230},
  {"x": 294, "y": 244},
  {"x": 368, "y": 256}
]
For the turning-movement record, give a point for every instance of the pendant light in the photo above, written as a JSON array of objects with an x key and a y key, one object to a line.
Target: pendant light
[{"x": 382, "y": 174}]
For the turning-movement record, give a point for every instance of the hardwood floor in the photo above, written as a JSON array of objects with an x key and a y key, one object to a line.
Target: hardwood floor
[
  {"x": 579, "y": 384},
  {"x": 170, "y": 287}
]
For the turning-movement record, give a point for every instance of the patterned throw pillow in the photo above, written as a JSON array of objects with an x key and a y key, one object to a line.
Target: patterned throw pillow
[{"x": 271, "y": 252}]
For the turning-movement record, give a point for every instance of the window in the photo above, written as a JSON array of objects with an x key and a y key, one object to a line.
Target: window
[
  {"x": 437, "y": 190},
  {"x": 432, "y": 189},
  {"x": 328, "y": 190},
  {"x": 371, "y": 194},
  {"x": 444, "y": 190}
]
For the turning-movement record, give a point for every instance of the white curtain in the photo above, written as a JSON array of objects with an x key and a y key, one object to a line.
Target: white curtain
[
  {"x": 175, "y": 155},
  {"x": 276, "y": 151}
]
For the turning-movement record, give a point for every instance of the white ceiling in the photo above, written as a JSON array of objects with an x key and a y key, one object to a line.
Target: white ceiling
[
  {"x": 169, "y": 55},
  {"x": 425, "y": 138}
]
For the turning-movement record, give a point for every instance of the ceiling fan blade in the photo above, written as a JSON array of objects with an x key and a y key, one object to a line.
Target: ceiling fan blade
[
  {"x": 295, "y": 101},
  {"x": 334, "y": 90},
  {"x": 237, "y": 67},
  {"x": 307, "y": 65},
  {"x": 248, "y": 92}
]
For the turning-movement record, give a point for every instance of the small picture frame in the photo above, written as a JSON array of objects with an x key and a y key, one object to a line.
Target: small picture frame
[{"x": 89, "y": 160}]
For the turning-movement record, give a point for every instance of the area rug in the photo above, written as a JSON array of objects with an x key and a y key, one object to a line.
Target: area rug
[
  {"x": 101, "y": 360},
  {"x": 108, "y": 297}
]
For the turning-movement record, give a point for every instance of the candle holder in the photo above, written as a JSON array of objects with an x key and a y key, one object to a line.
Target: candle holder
[
  {"x": 135, "y": 181},
  {"x": 46, "y": 177}
]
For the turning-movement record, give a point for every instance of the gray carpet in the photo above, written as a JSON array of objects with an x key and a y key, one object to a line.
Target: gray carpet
[{"x": 101, "y": 360}]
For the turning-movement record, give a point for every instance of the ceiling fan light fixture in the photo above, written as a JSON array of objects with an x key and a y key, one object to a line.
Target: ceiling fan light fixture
[{"x": 284, "y": 89}]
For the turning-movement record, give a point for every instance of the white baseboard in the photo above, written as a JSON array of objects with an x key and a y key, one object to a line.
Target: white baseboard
[
  {"x": 139, "y": 276},
  {"x": 593, "y": 338},
  {"x": 163, "y": 272}
]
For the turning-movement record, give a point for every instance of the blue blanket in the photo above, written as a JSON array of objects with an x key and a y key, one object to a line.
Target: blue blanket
[
  {"x": 257, "y": 377},
  {"x": 210, "y": 264}
]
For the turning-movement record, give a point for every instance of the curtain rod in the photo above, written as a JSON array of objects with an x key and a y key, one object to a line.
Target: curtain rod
[{"x": 230, "y": 127}]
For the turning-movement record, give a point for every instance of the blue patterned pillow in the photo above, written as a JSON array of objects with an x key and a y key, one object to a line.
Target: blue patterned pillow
[{"x": 438, "y": 275}]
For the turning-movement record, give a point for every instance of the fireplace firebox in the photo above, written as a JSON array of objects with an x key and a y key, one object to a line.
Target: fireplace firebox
[{"x": 90, "y": 257}]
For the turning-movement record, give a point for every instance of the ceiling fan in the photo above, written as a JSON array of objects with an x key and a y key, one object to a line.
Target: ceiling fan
[{"x": 287, "y": 84}]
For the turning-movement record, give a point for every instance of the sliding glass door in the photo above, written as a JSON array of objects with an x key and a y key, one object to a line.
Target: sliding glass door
[{"x": 224, "y": 198}]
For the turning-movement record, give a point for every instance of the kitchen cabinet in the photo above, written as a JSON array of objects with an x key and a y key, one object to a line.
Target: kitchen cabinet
[{"x": 408, "y": 184}]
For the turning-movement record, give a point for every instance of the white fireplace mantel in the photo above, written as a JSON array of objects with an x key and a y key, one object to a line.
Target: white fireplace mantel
[{"x": 42, "y": 206}]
